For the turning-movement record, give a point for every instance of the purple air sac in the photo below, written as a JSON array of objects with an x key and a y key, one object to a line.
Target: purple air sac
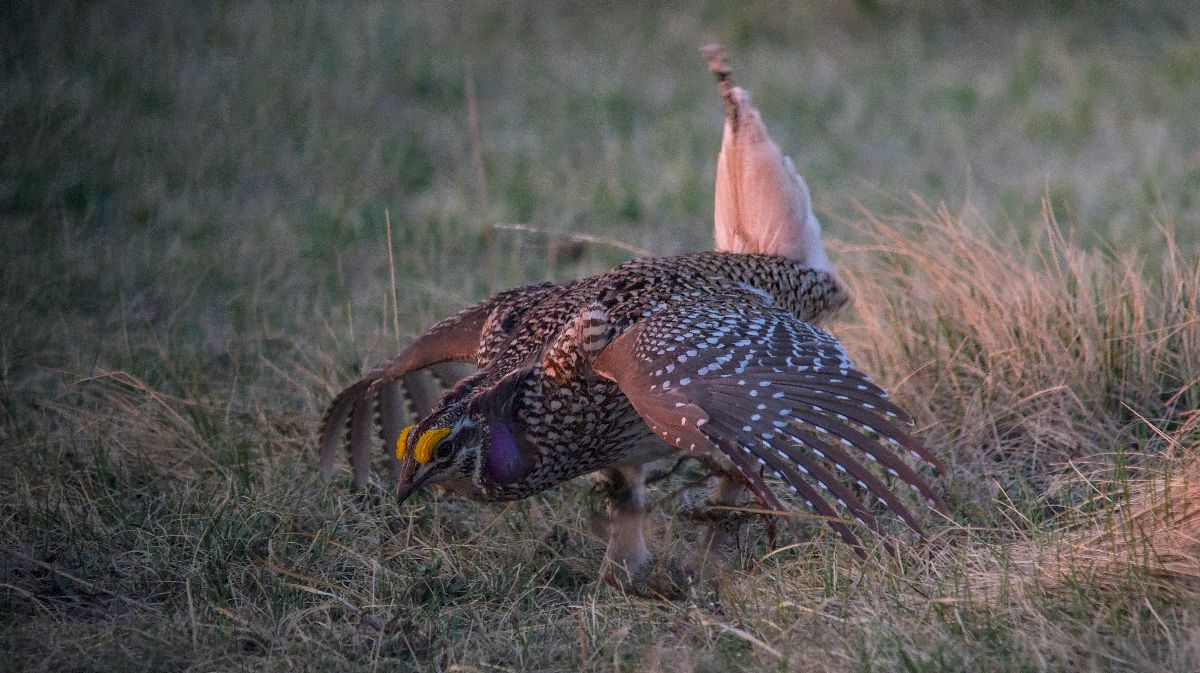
[{"x": 505, "y": 464}]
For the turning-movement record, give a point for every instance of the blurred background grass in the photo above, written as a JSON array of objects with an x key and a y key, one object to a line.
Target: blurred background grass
[
  {"x": 226, "y": 167},
  {"x": 193, "y": 194}
]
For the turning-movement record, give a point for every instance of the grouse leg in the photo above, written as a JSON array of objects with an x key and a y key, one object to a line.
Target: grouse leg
[
  {"x": 627, "y": 554},
  {"x": 719, "y": 537}
]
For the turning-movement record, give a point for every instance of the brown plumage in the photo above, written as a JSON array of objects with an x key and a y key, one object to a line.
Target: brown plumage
[
  {"x": 712, "y": 353},
  {"x": 715, "y": 354}
]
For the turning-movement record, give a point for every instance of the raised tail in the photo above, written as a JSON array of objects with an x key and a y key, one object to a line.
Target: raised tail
[{"x": 762, "y": 204}]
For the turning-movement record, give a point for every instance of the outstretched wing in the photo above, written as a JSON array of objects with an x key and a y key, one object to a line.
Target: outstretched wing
[
  {"x": 734, "y": 378},
  {"x": 399, "y": 380}
]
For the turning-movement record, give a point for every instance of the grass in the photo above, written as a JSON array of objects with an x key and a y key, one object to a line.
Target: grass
[{"x": 193, "y": 258}]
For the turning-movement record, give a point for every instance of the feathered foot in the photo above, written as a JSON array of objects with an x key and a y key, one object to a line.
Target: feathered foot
[
  {"x": 718, "y": 540},
  {"x": 624, "y": 521},
  {"x": 627, "y": 561}
]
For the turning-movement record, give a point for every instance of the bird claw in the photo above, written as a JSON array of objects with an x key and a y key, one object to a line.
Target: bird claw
[{"x": 670, "y": 583}]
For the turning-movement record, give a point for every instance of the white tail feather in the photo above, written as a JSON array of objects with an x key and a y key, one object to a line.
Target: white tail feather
[{"x": 762, "y": 204}]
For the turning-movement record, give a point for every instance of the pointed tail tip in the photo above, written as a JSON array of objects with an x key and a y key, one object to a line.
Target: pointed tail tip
[{"x": 714, "y": 56}]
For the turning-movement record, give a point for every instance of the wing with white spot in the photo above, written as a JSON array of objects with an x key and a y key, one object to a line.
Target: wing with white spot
[{"x": 732, "y": 377}]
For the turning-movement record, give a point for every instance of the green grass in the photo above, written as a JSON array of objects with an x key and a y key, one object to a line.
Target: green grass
[{"x": 193, "y": 258}]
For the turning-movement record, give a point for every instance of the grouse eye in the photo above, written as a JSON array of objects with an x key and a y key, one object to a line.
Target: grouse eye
[
  {"x": 509, "y": 320},
  {"x": 444, "y": 450}
]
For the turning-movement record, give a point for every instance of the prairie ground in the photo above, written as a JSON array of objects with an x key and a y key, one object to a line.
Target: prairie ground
[{"x": 194, "y": 256}]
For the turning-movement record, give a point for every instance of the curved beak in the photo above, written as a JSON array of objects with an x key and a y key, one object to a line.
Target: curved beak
[{"x": 406, "y": 487}]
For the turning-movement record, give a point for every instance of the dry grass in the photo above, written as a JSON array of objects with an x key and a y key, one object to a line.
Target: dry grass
[
  {"x": 1153, "y": 536},
  {"x": 1022, "y": 357},
  {"x": 194, "y": 255}
]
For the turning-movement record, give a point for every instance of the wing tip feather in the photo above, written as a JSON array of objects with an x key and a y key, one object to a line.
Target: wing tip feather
[{"x": 335, "y": 424}]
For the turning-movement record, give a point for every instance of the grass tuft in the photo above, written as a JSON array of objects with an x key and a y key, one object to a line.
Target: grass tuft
[{"x": 1032, "y": 366}]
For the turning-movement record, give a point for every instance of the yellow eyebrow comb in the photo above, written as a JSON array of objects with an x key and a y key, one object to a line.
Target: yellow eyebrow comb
[
  {"x": 402, "y": 442},
  {"x": 423, "y": 451}
]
